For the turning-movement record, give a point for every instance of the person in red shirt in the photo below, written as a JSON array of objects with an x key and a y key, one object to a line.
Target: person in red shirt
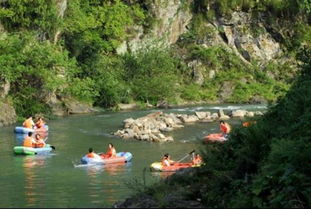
[
  {"x": 40, "y": 123},
  {"x": 111, "y": 152},
  {"x": 224, "y": 128}
]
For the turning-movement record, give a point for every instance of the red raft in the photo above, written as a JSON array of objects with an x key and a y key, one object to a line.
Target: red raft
[{"x": 217, "y": 137}]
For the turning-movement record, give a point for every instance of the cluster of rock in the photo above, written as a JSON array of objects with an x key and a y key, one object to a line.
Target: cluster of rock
[
  {"x": 7, "y": 111},
  {"x": 152, "y": 126},
  {"x": 7, "y": 114}
]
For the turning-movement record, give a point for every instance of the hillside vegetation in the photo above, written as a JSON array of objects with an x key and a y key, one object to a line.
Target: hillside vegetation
[{"x": 68, "y": 49}]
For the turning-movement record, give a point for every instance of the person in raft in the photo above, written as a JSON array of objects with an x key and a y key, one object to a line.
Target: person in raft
[
  {"x": 224, "y": 128},
  {"x": 111, "y": 152},
  {"x": 166, "y": 160},
  {"x": 29, "y": 141},
  {"x": 92, "y": 154},
  {"x": 40, "y": 123},
  {"x": 197, "y": 160},
  {"x": 28, "y": 123},
  {"x": 39, "y": 142}
]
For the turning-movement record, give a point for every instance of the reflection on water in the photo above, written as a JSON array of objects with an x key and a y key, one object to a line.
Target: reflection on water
[
  {"x": 99, "y": 187},
  {"x": 33, "y": 181},
  {"x": 162, "y": 175},
  {"x": 94, "y": 182},
  {"x": 111, "y": 169},
  {"x": 116, "y": 168}
]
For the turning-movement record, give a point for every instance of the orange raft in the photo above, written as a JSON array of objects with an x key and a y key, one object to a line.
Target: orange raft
[
  {"x": 217, "y": 137},
  {"x": 157, "y": 166}
]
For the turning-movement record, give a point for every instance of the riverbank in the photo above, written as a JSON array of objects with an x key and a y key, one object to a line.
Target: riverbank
[{"x": 166, "y": 193}]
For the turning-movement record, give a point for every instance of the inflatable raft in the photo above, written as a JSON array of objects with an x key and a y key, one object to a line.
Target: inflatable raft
[
  {"x": 215, "y": 138},
  {"x": 23, "y": 130},
  {"x": 157, "y": 166},
  {"x": 122, "y": 157},
  {"x": 21, "y": 150}
]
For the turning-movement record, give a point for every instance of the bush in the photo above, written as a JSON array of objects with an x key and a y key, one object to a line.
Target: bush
[
  {"x": 34, "y": 68},
  {"x": 152, "y": 74},
  {"x": 39, "y": 15}
]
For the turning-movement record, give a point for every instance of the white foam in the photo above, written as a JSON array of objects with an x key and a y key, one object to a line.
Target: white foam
[{"x": 181, "y": 109}]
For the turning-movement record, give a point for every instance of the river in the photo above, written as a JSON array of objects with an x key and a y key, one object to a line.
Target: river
[{"x": 54, "y": 181}]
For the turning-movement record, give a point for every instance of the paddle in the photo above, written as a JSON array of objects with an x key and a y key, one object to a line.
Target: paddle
[
  {"x": 186, "y": 156},
  {"x": 53, "y": 147}
]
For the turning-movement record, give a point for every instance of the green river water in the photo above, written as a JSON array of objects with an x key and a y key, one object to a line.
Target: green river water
[{"x": 54, "y": 181}]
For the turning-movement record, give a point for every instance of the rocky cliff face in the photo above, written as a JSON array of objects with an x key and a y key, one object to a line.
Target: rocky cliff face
[
  {"x": 171, "y": 19},
  {"x": 240, "y": 33},
  {"x": 249, "y": 38},
  {"x": 7, "y": 111},
  {"x": 61, "y": 6}
]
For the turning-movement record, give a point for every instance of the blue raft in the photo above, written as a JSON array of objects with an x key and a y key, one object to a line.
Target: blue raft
[
  {"x": 23, "y": 130},
  {"x": 122, "y": 157}
]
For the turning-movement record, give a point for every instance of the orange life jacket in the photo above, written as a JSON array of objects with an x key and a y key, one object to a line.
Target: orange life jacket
[
  {"x": 90, "y": 155},
  {"x": 248, "y": 123},
  {"x": 39, "y": 143},
  {"x": 197, "y": 160},
  {"x": 28, "y": 123},
  {"x": 28, "y": 142}
]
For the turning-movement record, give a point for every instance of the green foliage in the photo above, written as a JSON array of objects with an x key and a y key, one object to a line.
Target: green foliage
[
  {"x": 108, "y": 75},
  {"x": 34, "y": 68},
  {"x": 91, "y": 33},
  {"x": 98, "y": 26},
  {"x": 302, "y": 36},
  {"x": 40, "y": 15},
  {"x": 81, "y": 88},
  {"x": 152, "y": 74},
  {"x": 285, "y": 8},
  {"x": 194, "y": 92},
  {"x": 217, "y": 57},
  {"x": 247, "y": 80},
  {"x": 191, "y": 92}
]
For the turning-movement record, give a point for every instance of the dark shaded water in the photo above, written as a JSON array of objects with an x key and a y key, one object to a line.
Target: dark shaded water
[{"x": 54, "y": 181}]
